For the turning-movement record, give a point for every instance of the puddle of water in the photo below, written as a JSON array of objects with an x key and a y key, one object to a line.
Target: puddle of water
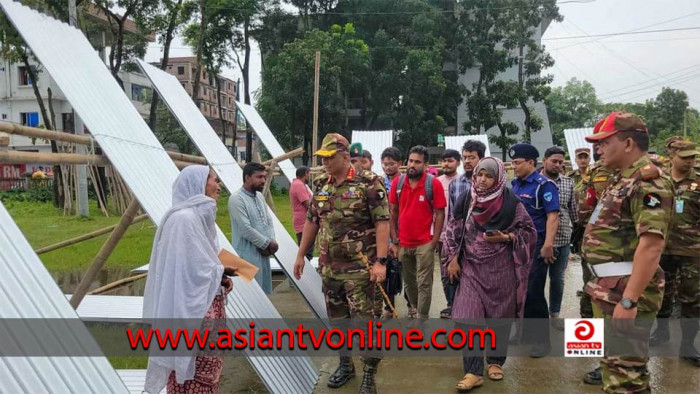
[{"x": 68, "y": 281}]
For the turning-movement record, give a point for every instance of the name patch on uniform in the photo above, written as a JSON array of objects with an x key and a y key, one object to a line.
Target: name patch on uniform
[{"x": 652, "y": 200}]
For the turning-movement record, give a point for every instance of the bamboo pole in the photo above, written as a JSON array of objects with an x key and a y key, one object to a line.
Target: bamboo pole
[
  {"x": 266, "y": 189},
  {"x": 117, "y": 283},
  {"x": 292, "y": 153},
  {"x": 314, "y": 142},
  {"x": 85, "y": 237},
  {"x": 17, "y": 157},
  {"x": 104, "y": 253}
]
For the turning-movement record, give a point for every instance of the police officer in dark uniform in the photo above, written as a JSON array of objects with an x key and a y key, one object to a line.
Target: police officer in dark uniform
[{"x": 541, "y": 199}]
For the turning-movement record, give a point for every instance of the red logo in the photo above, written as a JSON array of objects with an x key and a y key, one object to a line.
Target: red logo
[{"x": 584, "y": 330}]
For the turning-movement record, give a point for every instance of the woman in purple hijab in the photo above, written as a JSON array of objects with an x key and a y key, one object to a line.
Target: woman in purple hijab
[{"x": 488, "y": 247}]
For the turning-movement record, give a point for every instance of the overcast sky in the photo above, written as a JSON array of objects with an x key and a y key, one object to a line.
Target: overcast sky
[{"x": 622, "y": 68}]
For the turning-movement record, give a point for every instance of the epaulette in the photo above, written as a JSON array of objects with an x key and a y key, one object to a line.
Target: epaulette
[
  {"x": 368, "y": 175},
  {"x": 541, "y": 179},
  {"x": 649, "y": 172},
  {"x": 321, "y": 179}
]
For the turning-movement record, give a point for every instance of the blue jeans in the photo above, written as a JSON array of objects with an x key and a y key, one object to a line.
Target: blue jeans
[
  {"x": 556, "y": 278},
  {"x": 535, "y": 302}
]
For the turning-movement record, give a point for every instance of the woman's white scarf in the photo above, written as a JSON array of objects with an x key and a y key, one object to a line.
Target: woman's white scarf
[{"x": 184, "y": 273}]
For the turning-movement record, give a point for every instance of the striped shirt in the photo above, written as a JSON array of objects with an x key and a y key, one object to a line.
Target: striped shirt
[{"x": 568, "y": 210}]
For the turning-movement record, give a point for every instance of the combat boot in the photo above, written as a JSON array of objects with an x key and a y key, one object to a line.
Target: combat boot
[
  {"x": 345, "y": 371},
  {"x": 368, "y": 385},
  {"x": 661, "y": 334},
  {"x": 688, "y": 351}
]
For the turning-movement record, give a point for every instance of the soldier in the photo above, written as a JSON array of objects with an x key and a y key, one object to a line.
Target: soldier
[
  {"x": 350, "y": 214},
  {"x": 623, "y": 243},
  {"x": 356, "y": 157},
  {"x": 681, "y": 259},
  {"x": 583, "y": 159}
]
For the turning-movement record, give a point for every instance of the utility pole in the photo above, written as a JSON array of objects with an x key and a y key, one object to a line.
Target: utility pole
[{"x": 81, "y": 170}]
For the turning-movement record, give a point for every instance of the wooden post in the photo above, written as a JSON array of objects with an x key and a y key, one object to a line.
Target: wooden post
[
  {"x": 266, "y": 189},
  {"x": 314, "y": 142},
  {"x": 104, "y": 253},
  {"x": 84, "y": 237}
]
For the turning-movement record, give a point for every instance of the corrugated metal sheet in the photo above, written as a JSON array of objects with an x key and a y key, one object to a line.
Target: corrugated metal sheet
[
  {"x": 134, "y": 379},
  {"x": 258, "y": 124},
  {"x": 457, "y": 141},
  {"x": 28, "y": 291},
  {"x": 230, "y": 173},
  {"x": 576, "y": 138},
  {"x": 140, "y": 159},
  {"x": 375, "y": 142},
  {"x": 110, "y": 308}
]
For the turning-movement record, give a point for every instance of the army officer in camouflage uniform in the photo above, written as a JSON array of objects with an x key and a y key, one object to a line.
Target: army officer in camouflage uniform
[
  {"x": 623, "y": 243},
  {"x": 350, "y": 214},
  {"x": 681, "y": 259}
]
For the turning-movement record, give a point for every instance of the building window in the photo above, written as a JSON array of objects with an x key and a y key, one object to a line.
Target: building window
[
  {"x": 139, "y": 93},
  {"x": 24, "y": 78},
  {"x": 180, "y": 70},
  {"x": 30, "y": 119}
]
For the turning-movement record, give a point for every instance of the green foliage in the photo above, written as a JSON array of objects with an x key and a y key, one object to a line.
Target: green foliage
[
  {"x": 168, "y": 130},
  {"x": 571, "y": 106}
]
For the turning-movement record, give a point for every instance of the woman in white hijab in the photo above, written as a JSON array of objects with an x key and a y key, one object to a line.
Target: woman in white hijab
[{"x": 185, "y": 281}]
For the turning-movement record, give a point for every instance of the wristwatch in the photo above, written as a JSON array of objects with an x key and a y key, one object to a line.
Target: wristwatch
[
  {"x": 627, "y": 303},
  {"x": 381, "y": 260},
  {"x": 395, "y": 242}
]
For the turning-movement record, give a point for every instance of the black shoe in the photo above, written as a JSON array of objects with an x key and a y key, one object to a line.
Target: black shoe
[
  {"x": 594, "y": 377},
  {"x": 368, "y": 385},
  {"x": 661, "y": 334},
  {"x": 579, "y": 293},
  {"x": 693, "y": 360},
  {"x": 345, "y": 371},
  {"x": 540, "y": 350}
]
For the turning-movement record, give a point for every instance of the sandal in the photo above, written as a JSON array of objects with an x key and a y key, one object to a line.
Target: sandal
[
  {"x": 469, "y": 382},
  {"x": 412, "y": 312},
  {"x": 495, "y": 372},
  {"x": 446, "y": 313}
]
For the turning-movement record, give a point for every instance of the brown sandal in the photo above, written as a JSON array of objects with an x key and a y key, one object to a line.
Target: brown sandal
[
  {"x": 495, "y": 372},
  {"x": 469, "y": 382}
]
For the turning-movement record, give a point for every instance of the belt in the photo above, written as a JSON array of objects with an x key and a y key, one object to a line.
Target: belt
[{"x": 622, "y": 268}]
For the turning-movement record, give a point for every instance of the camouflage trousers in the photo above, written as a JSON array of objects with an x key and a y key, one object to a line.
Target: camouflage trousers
[
  {"x": 351, "y": 295},
  {"x": 626, "y": 374},
  {"x": 682, "y": 284},
  {"x": 585, "y": 308}
]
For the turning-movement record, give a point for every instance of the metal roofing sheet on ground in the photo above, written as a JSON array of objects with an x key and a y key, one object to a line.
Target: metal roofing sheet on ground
[
  {"x": 230, "y": 173},
  {"x": 375, "y": 142},
  {"x": 268, "y": 139},
  {"x": 138, "y": 156},
  {"x": 134, "y": 379},
  {"x": 576, "y": 138},
  {"x": 110, "y": 308},
  {"x": 27, "y": 290},
  {"x": 457, "y": 141}
]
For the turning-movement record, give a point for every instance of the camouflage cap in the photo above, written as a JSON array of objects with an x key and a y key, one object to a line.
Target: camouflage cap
[
  {"x": 671, "y": 140},
  {"x": 585, "y": 151},
  {"x": 616, "y": 122},
  {"x": 356, "y": 149},
  {"x": 684, "y": 148},
  {"x": 332, "y": 144}
]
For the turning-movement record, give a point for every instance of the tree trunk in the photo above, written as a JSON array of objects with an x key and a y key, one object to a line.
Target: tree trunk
[
  {"x": 221, "y": 111},
  {"x": 152, "y": 117},
  {"x": 200, "y": 44},
  {"x": 527, "y": 132},
  {"x": 58, "y": 194},
  {"x": 246, "y": 89}
]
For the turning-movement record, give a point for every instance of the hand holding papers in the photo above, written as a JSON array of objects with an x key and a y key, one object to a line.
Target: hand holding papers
[{"x": 236, "y": 264}]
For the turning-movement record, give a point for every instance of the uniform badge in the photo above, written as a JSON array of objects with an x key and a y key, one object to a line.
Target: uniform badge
[
  {"x": 325, "y": 187},
  {"x": 693, "y": 186},
  {"x": 652, "y": 200},
  {"x": 380, "y": 194},
  {"x": 352, "y": 189},
  {"x": 548, "y": 196},
  {"x": 320, "y": 205}
]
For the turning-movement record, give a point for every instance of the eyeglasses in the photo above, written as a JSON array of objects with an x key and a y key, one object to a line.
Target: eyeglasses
[{"x": 518, "y": 162}]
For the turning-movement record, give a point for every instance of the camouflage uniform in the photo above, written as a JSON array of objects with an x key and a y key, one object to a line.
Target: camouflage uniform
[
  {"x": 639, "y": 201},
  {"x": 595, "y": 181},
  {"x": 346, "y": 215},
  {"x": 681, "y": 259}
]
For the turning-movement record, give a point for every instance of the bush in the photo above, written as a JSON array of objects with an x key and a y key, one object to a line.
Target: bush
[{"x": 39, "y": 190}]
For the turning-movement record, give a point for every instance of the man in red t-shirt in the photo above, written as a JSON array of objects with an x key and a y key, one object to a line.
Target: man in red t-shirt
[
  {"x": 413, "y": 213},
  {"x": 299, "y": 198}
]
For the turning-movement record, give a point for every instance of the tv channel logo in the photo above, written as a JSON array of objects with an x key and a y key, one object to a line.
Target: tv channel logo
[{"x": 584, "y": 337}]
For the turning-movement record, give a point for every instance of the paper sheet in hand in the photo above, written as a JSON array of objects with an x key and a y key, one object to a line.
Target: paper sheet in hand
[{"x": 243, "y": 268}]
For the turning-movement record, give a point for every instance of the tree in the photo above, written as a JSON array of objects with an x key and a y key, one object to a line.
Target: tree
[
  {"x": 166, "y": 22},
  {"x": 495, "y": 36},
  {"x": 667, "y": 111},
  {"x": 286, "y": 98},
  {"x": 571, "y": 106}
]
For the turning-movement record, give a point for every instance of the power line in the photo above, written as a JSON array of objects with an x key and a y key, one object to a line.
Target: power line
[
  {"x": 623, "y": 33},
  {"x": 607, "y": 93}
]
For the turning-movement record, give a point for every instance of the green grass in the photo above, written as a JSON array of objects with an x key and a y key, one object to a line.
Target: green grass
[{"x": 44, "y": 225}]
